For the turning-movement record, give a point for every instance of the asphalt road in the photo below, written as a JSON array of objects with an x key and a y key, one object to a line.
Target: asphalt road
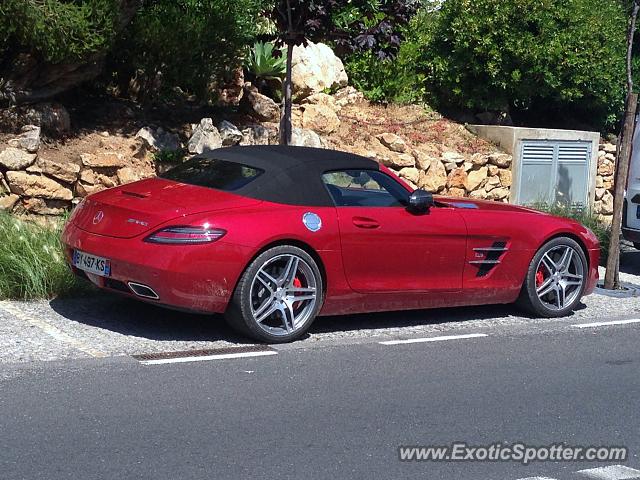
[{"x": 334, "y": 411}]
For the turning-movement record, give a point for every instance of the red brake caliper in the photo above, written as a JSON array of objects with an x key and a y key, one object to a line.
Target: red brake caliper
[
  {"x": 539, "y": 277},
  {"x": 298, "y": 284}
]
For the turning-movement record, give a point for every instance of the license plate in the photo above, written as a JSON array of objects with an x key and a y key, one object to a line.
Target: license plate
[{"x": 91, "y": 263}]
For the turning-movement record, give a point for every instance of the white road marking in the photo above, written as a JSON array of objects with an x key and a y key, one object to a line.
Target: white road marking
[
  {"x": 612, "y": 472},
  {"x": 433, "y": 339},
  {"x": 604, "y": 324},
  {"x": 52, "y": 331},
  {"x": 222, "y": 356},
  {"x": 537, "y": 478}
]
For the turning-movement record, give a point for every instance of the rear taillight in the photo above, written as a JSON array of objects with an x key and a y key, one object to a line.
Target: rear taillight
[{"x": 186, "y": 235}]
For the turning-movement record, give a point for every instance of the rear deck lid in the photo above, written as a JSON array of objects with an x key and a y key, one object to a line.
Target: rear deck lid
[{"x": 136, "y": 208}]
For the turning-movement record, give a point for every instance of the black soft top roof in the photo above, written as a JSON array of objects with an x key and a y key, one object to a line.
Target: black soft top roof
[{"x": 292, "y": 175}]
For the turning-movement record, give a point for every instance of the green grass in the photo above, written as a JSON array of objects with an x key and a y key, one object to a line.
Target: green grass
[
  {"x": 586, "y": 218},
  {"x": 32, "y": 264}
]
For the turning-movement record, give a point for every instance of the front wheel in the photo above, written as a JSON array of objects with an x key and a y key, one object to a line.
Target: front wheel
[
  {"x": 555, "y": 280},
  {"x": 278, "y": 296}
]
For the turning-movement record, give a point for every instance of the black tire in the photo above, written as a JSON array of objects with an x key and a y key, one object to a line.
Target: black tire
[
  {"x": 636, "y": 245},
  {"x": 529, "y": 299},
  {"x": 239, "y": 314}
]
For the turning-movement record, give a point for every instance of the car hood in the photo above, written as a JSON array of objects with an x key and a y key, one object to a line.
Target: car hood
[{"x": 487, "y": 205}]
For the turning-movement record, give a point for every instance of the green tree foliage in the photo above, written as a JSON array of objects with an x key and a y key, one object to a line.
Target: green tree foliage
[
  {"x": 549, "y": 56},
  {"x": 58, "y": 30},
  {"x": 188, "y": 43},
  {"x": 395, "y": 79}
]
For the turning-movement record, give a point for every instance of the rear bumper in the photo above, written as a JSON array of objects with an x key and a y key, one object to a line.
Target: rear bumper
[{"x": 199, "y": 278}]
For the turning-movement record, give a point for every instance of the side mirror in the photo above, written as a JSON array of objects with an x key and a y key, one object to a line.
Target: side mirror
[{"x": 420, "y": 201}]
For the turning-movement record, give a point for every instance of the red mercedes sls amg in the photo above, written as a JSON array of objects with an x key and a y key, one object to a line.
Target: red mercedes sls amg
[{"x": 273, "y": 236}]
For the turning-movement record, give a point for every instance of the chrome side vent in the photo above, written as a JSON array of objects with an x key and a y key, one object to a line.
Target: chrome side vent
[
  {"x": 143, "y": 291},
  {"x": 492, "y": 256}
]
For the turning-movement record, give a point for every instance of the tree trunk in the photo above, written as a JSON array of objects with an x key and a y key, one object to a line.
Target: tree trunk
[
  {"x": 612, "y": 277},
  {"x": 285, "y": 123}
]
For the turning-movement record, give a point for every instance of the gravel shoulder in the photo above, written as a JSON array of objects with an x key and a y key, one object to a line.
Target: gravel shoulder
[{"x": 106, "y": 325}]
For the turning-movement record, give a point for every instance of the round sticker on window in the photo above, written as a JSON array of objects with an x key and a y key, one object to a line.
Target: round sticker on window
[{"x": 312, "y": 221}]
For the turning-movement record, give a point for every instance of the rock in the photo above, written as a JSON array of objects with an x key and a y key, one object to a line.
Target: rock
[
  {"x": 468, "y": 166},
  {"x": 393, "y": 142},
  {"x": 610, "y": 156},
  {"x": 609, "y": 148},
  {"x": 158, "y": 139},
  {"x": 479, "y": 159},
  {"x": 67, "y": 172},
  {"x": 599, "y": 182},
  {"x": 456, "y": 192},
  {"x": 423, "y": 159},
  {"x": 607, "y": 204},
  {"x": 205, "y": 137},
  {"x": 410, "y": 173},
  {"x": 475, "y": 178},
  {"x": 255, "y": 135},
  {"x": 29, "y": 140},
  {"x": 320, "y": 118},
  {"x": 315, "y": 68},
  {"x": 505, "y": 177},
  {"x": 348, "y": 96},
  {"x": 322, "y": 99},
  {"x": 258, "y": 105},
  {"x": 491, "y": 183},
  {"x": 450, "y": 166},
  {"x": 493, "y": 170},
  {"x": 499, "y": 193},
  {"x": 230, "y": 94},
  {"x": 600, "y": 193},
  {"x": 103, "y": 160},
  {"x": 7, "y": 202},
  {"x": 229, "y": 133},
  {"x": 502, "y": 160},
  {"x": 478, "y": 194},
  {"x": 83, "y": 189},
  {"x": 398, "y": 160},
  {"x": 16, "y": 159},
  {"x": 604, "y": 169},
  {"x": 457, "y": 178},
  {"x": 305, "y": 138},
  {"x": 54, "y": 119},
  {"x": 26, "y": 184},
  {"x": 452, "y": 157},
  {"x": 127, "y": 175},
  {"x": 608, "y": 183},
  {"x": 40, "y": 206},
  {"x": 88, "y": 176},
  {"x": 435, "y": 178}
]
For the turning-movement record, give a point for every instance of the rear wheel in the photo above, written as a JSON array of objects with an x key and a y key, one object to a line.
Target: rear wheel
[
  {"x": 278, "y": 296},
  {"x": 555, "y": 279}
]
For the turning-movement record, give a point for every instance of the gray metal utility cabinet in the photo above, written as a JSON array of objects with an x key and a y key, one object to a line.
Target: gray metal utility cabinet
[{"x": 548, "y": 166}]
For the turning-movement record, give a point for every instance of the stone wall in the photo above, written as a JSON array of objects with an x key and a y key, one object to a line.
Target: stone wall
[{"x": 603, "y": 205}]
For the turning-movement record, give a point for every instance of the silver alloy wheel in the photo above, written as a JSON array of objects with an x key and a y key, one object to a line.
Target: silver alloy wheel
[
  {"x": 559, "y": 277},
  {"x": 283, "y": 295}
]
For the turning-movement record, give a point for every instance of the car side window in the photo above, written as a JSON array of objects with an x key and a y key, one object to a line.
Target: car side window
[{"x": 364, "y": 188}]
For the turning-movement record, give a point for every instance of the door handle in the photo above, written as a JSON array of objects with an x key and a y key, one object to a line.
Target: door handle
[{"x": 363, "y": 222}]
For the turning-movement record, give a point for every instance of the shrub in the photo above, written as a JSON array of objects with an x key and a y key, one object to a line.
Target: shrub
[
  {"x": 551, "y": 57},
  {"x": 58, "y": 30},
  {"x": 395, "y": 79},
  {"x": 188, "y": 44},
  {"x": 586, "y": 218},
  {"x": 31, "y": 261}
]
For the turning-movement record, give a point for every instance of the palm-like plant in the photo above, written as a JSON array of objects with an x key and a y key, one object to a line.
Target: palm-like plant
[{"x": 267, "y": 69}]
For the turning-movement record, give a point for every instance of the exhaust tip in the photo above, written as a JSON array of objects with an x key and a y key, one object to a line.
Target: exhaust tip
[{"x": 143, "y": 291}]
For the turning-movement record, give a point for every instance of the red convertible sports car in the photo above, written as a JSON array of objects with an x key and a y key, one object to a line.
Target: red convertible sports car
[{"x": 273, "y": 236}]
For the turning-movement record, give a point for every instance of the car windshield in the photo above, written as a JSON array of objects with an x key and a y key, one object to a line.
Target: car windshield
[{"x": 213, "y": 173}]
